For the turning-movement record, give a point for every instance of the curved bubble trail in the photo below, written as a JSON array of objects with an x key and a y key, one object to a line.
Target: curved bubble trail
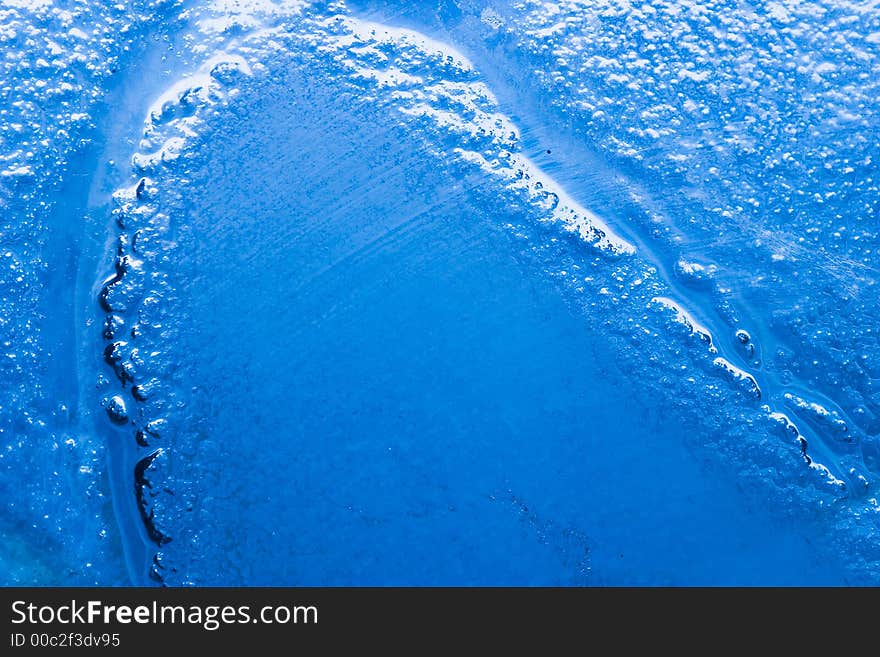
[{"x": 437, "y": 95}]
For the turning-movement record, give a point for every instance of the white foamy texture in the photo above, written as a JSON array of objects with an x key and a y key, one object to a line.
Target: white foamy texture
[
  {"x": 691, "y": 268},
  {"x": 684, "y": 318},
  {"x": 817, "y": 413},
  {"x": 450, "y": 96},
  {"x": 731, "y": 371},
  {"x": 738, "y": 375},
  {"x": 21, "y": 171},
  {"x": 783, "y": 420},
  {"x": 369, "y": 33},
  {"x": 695, "y": 273},
  {"x": 826, "y": 474},
  {"x": 224, "y": 15},
  {"x": 196, "y": 87},
  {"x": 174, "y": 117},
  {"x": 423, "y": 78}
]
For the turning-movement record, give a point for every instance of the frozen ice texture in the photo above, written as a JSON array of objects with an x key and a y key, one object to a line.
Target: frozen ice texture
[{"x": 457, "y": 292}]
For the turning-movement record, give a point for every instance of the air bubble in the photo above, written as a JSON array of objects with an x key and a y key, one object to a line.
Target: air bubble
[{"x": 116, "y": 410}]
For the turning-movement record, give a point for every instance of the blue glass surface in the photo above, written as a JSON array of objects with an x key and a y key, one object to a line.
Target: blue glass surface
[{"x": 482, "y": 293}]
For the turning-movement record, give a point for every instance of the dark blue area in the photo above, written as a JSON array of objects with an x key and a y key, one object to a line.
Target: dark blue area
[{"x": 394, "y": 393}]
